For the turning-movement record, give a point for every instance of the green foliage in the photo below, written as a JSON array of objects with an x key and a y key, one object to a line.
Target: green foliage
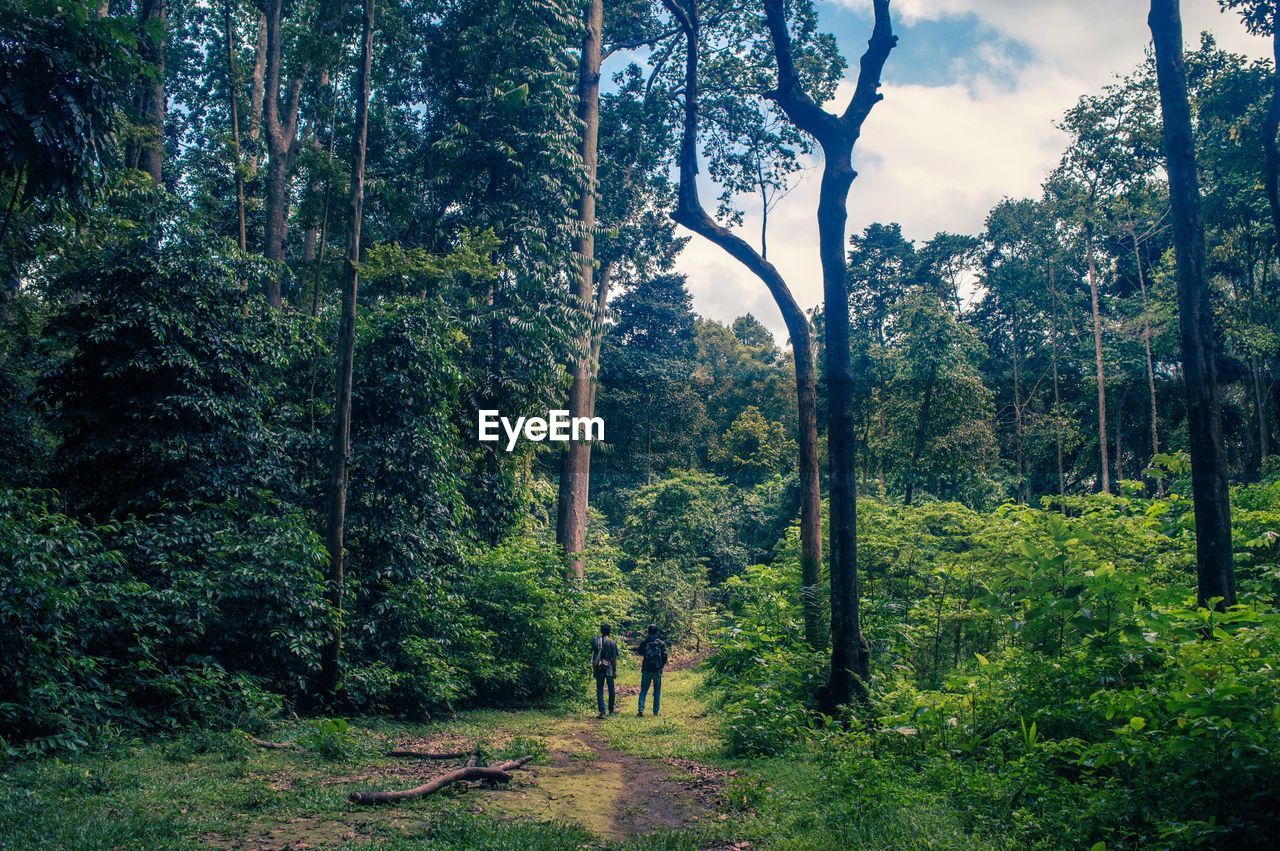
[
  {"x": 162, "y": 393},
  {"x": 111, "y": 628},
  {"x": 63, "y": 79},
  {"x": 672, "y": 595},
  {"x": 537, "y": 623},
  {"x": 1050, "y": 670},
  {"x": 764, "y": 670},
  {"x": 753, "y": 449},
  {"x": 330, "y": 738},
  {"x": 692, "y": 517}
]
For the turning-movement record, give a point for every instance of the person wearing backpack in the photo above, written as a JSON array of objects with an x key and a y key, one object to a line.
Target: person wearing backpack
[
  {"x": 653, "y": 652},
  {"x": 604, "y": 664}
]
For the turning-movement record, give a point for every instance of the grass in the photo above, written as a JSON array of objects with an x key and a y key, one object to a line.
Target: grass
[{"x": 218, "y": 789}]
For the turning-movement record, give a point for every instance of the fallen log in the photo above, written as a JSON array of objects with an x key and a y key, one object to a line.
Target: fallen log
[{"x": 492, "y": 774}]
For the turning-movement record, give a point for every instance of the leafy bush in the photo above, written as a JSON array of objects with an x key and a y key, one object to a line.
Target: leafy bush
[
  {"x": 537, "y": 623},
  {"x": 1049, "y": 673},
  {"x": 59, "y": 586},
  {"x": 330, "y": 738},
  {"x": 162, "y": 396},
  {"x": 108, "y": 629},
  {"x": 672, "y": 596},
  {"x": 764, "y": 671}
]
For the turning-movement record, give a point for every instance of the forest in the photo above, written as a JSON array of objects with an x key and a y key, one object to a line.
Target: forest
[{"x": 982, "y": 552}]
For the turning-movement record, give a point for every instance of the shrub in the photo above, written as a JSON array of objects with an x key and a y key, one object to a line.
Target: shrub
[
  {"x": 538, "y": 623},
  {"x": 182, "y": 619}
]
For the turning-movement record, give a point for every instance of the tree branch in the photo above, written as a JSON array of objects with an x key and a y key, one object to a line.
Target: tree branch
[
  {"x": 796, "y": 102},
  {"x": 789, "y": 94},
  {"x": 689, "y": 210},
  {"x": 867, "y": 93}
]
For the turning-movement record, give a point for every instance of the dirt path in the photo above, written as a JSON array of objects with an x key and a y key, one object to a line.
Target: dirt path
[
  {"x": 611, "y": 793},
  {"x": 620, "y": 778}
]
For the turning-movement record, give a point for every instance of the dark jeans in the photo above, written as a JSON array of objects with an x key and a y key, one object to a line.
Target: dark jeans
[
  {"x": 600, "y": 681},
  {"x": 653, "y": 678}
]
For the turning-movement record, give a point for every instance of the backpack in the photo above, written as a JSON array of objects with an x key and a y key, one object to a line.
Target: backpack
[
  {"x": 655, "y": 652},
  {"x": 598, "y": 661}
]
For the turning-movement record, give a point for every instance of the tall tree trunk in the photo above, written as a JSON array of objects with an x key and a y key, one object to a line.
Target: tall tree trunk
[
  {"x": 233, "y": 102},
  {"x": 257, "y": 92},
  {"x": 882, "y": 433},
  {"x": 690, "y": 213},
  {"x": 332, "y": 653},
  {"x": 311, "y": 235},
  {"x": 281, "y": 121},
  {"x": 1259, "y": 402},
  {"x": 1119, "y": 418},
  {"x": 575, "y": 460},
  {"x": 1211, "y": 497},
  {"x": 1098, "y": 358},
  {"x": 151, "y": 151},
  {"x": 1057, "y": 394},
  {"x": 1146, "y": 345},
  {"x": 1017, "y": 405},
  {"x": 837, "y": 135},
  {"x": 1270, "y": 125}
]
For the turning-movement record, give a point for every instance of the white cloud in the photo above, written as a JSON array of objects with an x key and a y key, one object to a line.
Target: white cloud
[{"x": 938, "y": 157}]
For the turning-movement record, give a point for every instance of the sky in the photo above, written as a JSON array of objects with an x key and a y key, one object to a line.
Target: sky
[{"x": 971, "y": 94}]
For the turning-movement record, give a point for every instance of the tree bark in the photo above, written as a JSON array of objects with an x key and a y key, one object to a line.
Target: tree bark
[
  {"x": 233, "y": 101},
  {"x": 1211, "y": 497},
  {"x": 691, "y": 214},
  {"x": 257, "y": 92},
  {"x": 281, "y": 122},
  {"x": 1057, "y": 393},
  {"x": 332, "y": 652},
  {"x": 1098, "y": 359},
  {"x": 1270, "y": 125},
  {"x": 837, "y": 135},
  {"x": 494, "y": 774},
  {"x": 1259, "y": 402},
  {"x": 151, "y": 151},
  {"x": 1017, "y": 405},
  {"x": 575, "y": 460},
  {"x": 324, "y": 217}
]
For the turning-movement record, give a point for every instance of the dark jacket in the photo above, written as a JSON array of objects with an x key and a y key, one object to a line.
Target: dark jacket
[
  {"x": 603, "y": 647},
  {"x": 640, "y": 651}
]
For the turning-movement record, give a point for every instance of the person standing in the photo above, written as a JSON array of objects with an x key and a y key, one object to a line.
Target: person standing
[
  {"x": 653, "y": 652},
  {"x": 604, "y": 663}
]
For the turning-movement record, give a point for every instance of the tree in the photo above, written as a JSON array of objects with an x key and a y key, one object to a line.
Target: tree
[
  {"x": 281, "y": 108},
  {"x": 346, "y": 355},
  {"x": 837, "y": 135},
  {"x": 752, "y": 449},
  {"x": 690, "y": 213},
  {"x": 881, "y": 263},
  {"x": 151, "y": 100},
  {"x": 1214, "y": 566},
  {"x": 655, "y": 416},
  {"x": 62, "y": 75},
  {"x": 588, "y": 296}
]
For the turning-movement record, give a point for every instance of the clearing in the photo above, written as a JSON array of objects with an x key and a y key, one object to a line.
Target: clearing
[{"x": 621, "y": 782}]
